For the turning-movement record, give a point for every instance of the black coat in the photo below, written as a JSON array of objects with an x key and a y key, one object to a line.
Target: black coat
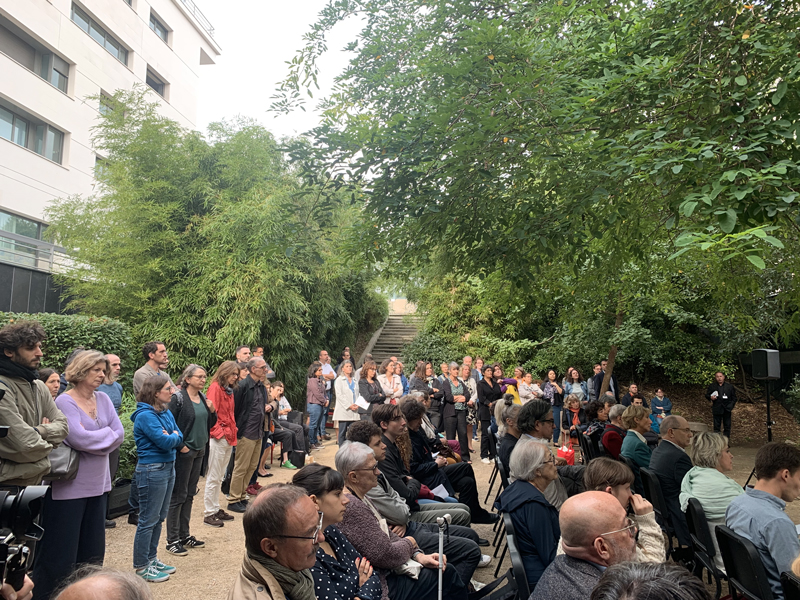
[
  {"x": 423, "y": 466},
  {"x": 243, "y": 399},
  {"x": 372, "y": 393},
  {"x": 395, "y": 472},
  {"x": 448, "y": 408},
  {"x": 671, "y": 464},
  {"x": 598, "y": 383},
  {"x": 725, "y": 400},
  {"x": 180, "y": 405},
  {"x": 488, "y": 394},
  {"x": 421, "y": 385},
  {"x": 566, "y": 418}
]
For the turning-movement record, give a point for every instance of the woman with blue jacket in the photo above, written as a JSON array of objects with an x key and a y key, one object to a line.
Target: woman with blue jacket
[
  {"x": 575, "y": 384},
  {"x": 157, "y": 437}
]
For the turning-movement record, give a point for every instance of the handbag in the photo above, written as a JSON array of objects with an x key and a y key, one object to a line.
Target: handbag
[
  {"x": 64, "y": 462},
  {"x": 566, "y": 452}
]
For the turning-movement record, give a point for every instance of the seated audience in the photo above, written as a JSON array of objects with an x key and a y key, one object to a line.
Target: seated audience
[
  {"x": 340, "y": 571},
  {"x": 573, "y": 419},
  {"x": 382, "y": 547},
  {"x": 661, "y": 405},
  {"x": 614, "y": 432},
  {"x": 597, "y": 416},
  {"x": 707, "y": 482},
  {"x": 505, "y": 414},
  {"x": 636, "y": 420},
  {"x": 451, "y": 449},
  {"x": 460, "y": 476},
  {"x": 759, "y": 514},
  {"x": 535, "y": 519},
  {"x": 661, "y": 581},
  {"x": 670, "y": 463},
  {"x": 616, "y": 478},
  {"x": 282, "y": 528},
  {"x": 92, "y": 581},
  {"x": 633, "y": 394},
  {"x": 595, "y": 533}
]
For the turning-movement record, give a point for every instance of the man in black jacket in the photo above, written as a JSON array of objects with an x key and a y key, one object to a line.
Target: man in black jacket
[
  {"x": 249, "y": 410},
  {"x": 670, "y": 463},
  {"x": 723, "y": 398},
  {"x": 598, "y": 381}
]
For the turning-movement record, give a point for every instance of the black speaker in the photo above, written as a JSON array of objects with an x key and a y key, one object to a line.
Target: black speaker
[{"x": 766, "y": 364}]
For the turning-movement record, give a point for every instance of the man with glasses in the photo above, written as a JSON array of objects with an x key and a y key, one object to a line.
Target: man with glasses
[
  {"x": 282, "y": 531},
  {"x": 670, "y": 463},
  {"x": 249, "y": 409},
  {"x": 595, "y": 534}
]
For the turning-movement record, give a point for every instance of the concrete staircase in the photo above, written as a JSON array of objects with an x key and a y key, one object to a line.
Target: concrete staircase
[{"x": 398, "y": 331}]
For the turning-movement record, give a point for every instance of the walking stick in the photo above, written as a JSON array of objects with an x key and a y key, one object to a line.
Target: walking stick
[{"x": 444, "y": 526}]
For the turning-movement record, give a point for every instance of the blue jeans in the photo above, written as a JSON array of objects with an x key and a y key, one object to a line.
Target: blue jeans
[
  {"x": 315, "y": 413},
  {"x": 428, "y": 501},
  {"x": 557, "y": 424},
  {"x": 154, "y": 483}
]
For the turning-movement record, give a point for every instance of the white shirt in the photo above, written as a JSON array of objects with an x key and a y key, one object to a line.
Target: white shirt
[{"x": 327, "y": 369}]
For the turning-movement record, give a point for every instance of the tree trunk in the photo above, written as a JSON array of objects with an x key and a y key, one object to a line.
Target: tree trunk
[{"x": 612, "y": 356}]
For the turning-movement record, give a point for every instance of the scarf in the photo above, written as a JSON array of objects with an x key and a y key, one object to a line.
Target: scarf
[
  {"x": 11, "y": 369},
  {"x": 575, "y": 418},
  {"x": 297, "y": 585}
]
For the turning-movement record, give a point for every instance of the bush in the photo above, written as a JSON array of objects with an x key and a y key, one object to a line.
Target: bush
[{"x": 127, "y": 451}]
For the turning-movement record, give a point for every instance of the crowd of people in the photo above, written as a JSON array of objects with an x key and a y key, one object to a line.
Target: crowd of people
[{"x": 366, "y": 527}]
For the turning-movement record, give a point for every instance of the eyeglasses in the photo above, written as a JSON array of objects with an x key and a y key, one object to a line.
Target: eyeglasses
[
  {"x": 547, "y": 421},
  {"x": 689, "y": 429},
  {"x": 372, "y": 468},
  {"x": 258, "y": 368},
  {"x": 632, "y": 529},
  {"x": 313, "y": 538}
]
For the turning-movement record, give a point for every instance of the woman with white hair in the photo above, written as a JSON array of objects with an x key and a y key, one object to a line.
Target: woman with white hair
[
  {"x": 707, "y": 482},
  {"x": 389, "y": 554},
  {"x": 535, "y": 519}
]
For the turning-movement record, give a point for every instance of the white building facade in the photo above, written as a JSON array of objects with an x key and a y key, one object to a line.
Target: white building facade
[{"x": 54, "y": 56}]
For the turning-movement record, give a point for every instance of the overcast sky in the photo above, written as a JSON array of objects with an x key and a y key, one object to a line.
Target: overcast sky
[{"x": 257, "y": 38}]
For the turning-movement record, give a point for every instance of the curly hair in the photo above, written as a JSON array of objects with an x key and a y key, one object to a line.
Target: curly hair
[
  {"x": 22, "y": 334},
  {"x": 403, "y": 443}
]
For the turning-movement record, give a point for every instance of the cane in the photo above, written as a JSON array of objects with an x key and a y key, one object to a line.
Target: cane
[{"x": 444, "y": 526}]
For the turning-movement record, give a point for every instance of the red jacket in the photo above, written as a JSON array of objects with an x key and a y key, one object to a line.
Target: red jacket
[
  {"x": 226, "y": 423},
  {"x": 612, "y": 440}
]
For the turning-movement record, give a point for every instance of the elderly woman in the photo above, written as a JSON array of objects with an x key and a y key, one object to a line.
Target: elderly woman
[
  {"x": 597, "y": 415},
  {"x": 74, "y": 513},
  {"x": 636, "y": 420},
  {"x": 391, "y": 384},
  {"x": 615, "y": 478},
  {"x": 346, "y": 410},
  {"x": 535, "y": 519},
  {"x": 195, "y": 415},
  {"x": 370, "y": 389},
  {"x": 340, "y": 572},
  {"x": 454, "y": 411},
  {"x": 707, "y": 482},
  {"x": 505, "y": 413},
  {"x": 388, "y": 553},
  {"x": 573, "y": 419},
  {"x": 614, "y": 432}
]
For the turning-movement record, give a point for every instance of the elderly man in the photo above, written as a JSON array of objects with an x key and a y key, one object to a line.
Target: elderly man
[
  {"x": 595, "y": 533},
  {"x": 282, "y": 530},
  {"x": 670, "y": 463},
  {"x": 93, "y": 582}
]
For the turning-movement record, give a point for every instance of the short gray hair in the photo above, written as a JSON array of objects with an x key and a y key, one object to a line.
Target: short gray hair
[
  {"x": 616, "y": 411},
  {"x": 453, "y": 364},
  {"x": 127, "y": 585},
  {"x": 351, "y": 456},
  {"x": 527, "y": 458},
  {"x": 254, "y": 362},
  {"x": 706, "y": 448}
]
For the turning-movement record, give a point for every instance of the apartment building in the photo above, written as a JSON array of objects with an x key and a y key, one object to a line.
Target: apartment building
[{"x": 54, "y": 56}]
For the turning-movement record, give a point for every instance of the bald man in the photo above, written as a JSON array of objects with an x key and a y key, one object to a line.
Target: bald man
[
  {"x": 93, "y": 582},
  {"x": 595, "y": 533}
]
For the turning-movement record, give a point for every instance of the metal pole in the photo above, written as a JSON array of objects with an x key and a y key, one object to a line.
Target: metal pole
[
  {"x": 443, "y": 523},
  {"x": 769, "y": 415}
]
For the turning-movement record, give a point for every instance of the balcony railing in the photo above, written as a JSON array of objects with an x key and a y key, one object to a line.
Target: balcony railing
[
  {"x": 34, "y": 254},
  {"x": 201, "y": 18}
]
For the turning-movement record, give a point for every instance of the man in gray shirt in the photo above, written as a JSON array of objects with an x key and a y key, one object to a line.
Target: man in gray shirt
[
  {"x": 759, "y": 516},
  {"x": 155, "y": 353}
]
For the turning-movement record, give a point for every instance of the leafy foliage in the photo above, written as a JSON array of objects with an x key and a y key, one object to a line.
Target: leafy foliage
[{"x": 209, "y": 244}]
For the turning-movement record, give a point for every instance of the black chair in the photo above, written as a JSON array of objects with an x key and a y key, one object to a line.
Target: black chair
[
  {"x": 516, "y": 558},
  {"x": 504, "y": 588},
  {"x": 791, "y": 586},
  {"x": 704, "y": 549},
  {"x": 492, "y": 480},
  {"x": 498, "y": 527},
  {"x": 746, "y": 573},
  {"x": 637, "y": 478},
  {"x": 588, "y": 452},
  {"x": 652, "y": 491}
]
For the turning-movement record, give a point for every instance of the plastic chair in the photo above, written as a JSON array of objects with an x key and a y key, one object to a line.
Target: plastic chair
[
  {"x": 652, "y": 491},
  {"x": 746, "y": 573},
  {"x": 791, "y": 586},
  {"x": 704, "y": 549},
  {"x": 517, "y": 565}
]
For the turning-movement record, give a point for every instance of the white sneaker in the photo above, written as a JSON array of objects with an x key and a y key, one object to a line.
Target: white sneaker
[
  {"x": 477, "y": 585},
  {"x": 485, "y": 561},
  {"x": 486, "y": 461}
]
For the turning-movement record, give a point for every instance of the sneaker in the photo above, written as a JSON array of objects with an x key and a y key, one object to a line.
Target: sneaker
[
  {"x": 486, "y": 461},
  {"x": 162, "y": 567},
  {"x": 485, "y": 561},
  {"x": 151, "y": 574},
  {"x": 133, "y": 518},
  {"x": 177, "y": 549},
  {"x": 223, "y": 516},
  {"x": 213, "y": 521},
  {"x": 326, "y": 437},
  {"x": 192, "y": 542},
  {"x": 288, "y": 465},
  {"x": 237, "y": 507},
  {"x": 253, "y": 489},
  {"x": 110, "y": 524}
]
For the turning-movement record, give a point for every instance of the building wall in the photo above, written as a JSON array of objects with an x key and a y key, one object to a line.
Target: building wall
[{"x": 29, "y": 181}]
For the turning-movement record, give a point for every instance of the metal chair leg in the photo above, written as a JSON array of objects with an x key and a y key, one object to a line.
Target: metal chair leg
[
  {"x": 500, "y": 562},
  {"x": 492, "y": 480}
]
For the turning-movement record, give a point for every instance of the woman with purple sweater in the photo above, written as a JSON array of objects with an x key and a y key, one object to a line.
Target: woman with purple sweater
[{"x": 74, "y": 513}]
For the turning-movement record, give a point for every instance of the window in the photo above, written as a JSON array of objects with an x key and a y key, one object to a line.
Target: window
[
  {"x": 98, "y": 34},
  {"x": 106, "y": 103},
  {"x": 40, "y": 137},
  {"x": 159, "y": 28},
  {"x": 17, "y": 251},
  {"x": 55, "y": 70},
  {"x": 159, "y": 87}
]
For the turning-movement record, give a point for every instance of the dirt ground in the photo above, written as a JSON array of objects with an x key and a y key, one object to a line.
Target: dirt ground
[{"x": 210, "y": 571}]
